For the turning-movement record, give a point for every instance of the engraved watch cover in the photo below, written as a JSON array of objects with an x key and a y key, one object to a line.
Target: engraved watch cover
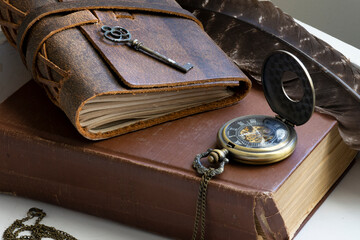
[{"x": 258, "y": 139}]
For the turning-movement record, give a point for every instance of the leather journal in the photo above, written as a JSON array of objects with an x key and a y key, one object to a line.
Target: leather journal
[{"x": 107, "y": 88}]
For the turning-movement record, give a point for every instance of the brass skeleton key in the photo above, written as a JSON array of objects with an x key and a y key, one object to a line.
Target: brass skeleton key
[{"x": 121, "y": 35}]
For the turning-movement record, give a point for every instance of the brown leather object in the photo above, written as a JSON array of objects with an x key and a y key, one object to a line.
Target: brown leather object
[
  {"x": 63, "y": 46},
  {"x": 145, "y": 178}
]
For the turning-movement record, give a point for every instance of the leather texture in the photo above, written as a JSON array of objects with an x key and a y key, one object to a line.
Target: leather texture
[
  {"x": 145, "y": 178},
  {"x": 61, "y": 43}
]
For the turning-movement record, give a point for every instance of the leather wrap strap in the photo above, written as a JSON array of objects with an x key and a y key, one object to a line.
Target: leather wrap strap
[
  {"x": 50, "y": 27},
  {"x": 61, "y": 7}
]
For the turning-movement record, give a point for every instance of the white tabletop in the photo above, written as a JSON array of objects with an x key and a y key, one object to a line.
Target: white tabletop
[{"x": 337, "y": 218}]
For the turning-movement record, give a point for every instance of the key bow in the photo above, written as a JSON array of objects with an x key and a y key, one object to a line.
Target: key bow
[{"x": 116, "y": 34}]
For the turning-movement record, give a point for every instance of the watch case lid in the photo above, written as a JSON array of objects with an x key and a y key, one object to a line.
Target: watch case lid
[{"x": 296, "y": 112}]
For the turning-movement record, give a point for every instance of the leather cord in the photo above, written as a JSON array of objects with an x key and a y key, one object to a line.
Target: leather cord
[{"x": 61, "y": 7}]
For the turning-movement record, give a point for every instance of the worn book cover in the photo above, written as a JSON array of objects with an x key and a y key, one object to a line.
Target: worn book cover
[
  {"x": 145, "y": 178},
  {"x": 109, "y": 65}
]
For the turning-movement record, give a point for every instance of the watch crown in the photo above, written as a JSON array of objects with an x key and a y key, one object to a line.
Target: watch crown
[{"x": 217, "y": 155}]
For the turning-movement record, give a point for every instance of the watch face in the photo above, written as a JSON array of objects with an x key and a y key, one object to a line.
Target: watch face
[
  {"x": 256, "y": 132},
  {"x": 257, "y": 139}
]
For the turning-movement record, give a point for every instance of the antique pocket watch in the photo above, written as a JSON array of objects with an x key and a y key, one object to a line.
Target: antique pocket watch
[{"x": 259, "y": 139}]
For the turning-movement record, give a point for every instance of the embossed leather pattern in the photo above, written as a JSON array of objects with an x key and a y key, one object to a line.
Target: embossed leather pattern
[{"x": 61, "y": 43}]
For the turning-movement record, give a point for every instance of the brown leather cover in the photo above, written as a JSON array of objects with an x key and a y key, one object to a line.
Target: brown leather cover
[
  {"x": 145, "y": 178},
  {"x": 62, "y": 44}
]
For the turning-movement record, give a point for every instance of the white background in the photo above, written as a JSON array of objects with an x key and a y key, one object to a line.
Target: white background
[{"x": 338, "y": 18}]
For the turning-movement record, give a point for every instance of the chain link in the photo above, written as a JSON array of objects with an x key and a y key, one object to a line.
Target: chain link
[
  {"x": 207, "y": 175},
  {"x": 37, "y": 231}
]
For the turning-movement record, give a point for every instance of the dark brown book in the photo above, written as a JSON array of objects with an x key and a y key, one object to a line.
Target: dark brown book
[
  {"x": 109, "y": 88},
  {"x": 145, "y": 178}
]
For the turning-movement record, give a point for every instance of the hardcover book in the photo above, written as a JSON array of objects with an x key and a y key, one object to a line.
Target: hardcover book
[{"x": 145, "y": 178}]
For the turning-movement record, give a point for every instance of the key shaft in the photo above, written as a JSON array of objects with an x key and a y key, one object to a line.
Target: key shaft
[{"x": 139, "y": 46}]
